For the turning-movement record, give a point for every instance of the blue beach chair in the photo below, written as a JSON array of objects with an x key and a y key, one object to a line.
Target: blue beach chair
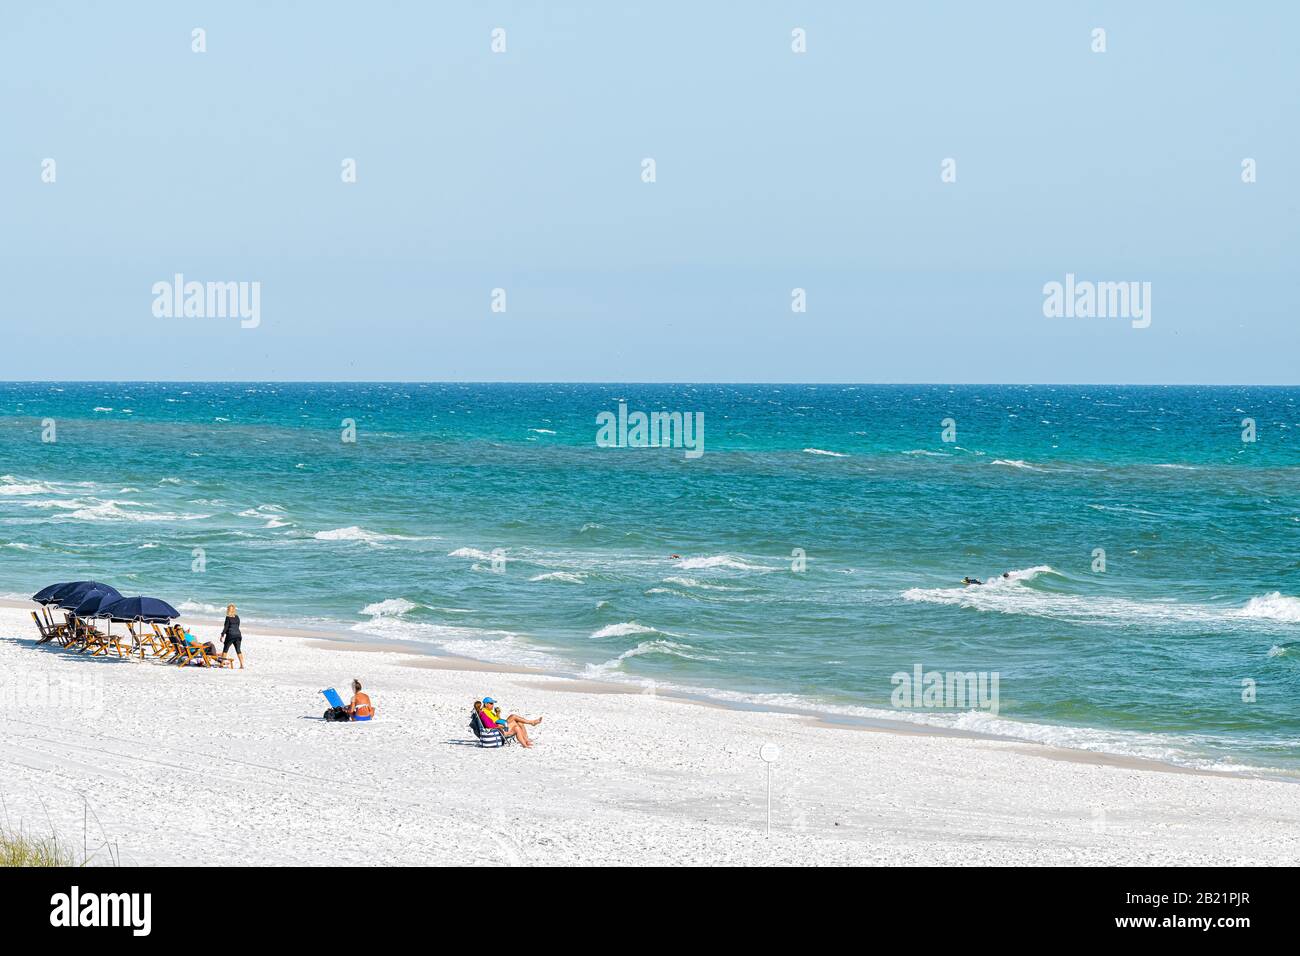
[{"x": 338, "y": 710}]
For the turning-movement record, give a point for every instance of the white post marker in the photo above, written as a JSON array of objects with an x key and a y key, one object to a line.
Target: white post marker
[{"x": 769, "y": 753}]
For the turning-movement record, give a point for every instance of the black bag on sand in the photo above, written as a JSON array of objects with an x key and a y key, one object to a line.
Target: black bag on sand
[{"x": 337, "y": 713}]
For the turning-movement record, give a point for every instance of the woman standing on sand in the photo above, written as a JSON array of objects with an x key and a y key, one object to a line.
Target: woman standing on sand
[{"x": 230, "y": 631}]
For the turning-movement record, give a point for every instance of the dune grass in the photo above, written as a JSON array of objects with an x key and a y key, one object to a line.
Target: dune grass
[{"x": 22, "y": 849}]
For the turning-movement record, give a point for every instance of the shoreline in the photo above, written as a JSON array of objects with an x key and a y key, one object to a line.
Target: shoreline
[
  {"x": 424, "y": 657},
  {"x": 615, "y": 777}
]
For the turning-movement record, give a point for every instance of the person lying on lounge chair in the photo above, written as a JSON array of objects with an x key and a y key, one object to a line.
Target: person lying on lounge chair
[
  {"x": 208, "y": 647},
  {"x": 516, "y": 725},
  {"x": 360, "y": 708}
]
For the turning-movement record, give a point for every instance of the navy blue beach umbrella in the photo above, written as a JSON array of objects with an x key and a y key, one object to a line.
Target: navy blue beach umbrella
[
  {"x": 46, "y": 594},
  {"x": 148, "y": 609},
  {"x": 93, "y": 603},
  {"x": 73, "y": 593}
]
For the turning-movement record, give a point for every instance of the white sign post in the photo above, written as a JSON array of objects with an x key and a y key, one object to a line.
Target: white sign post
[{"x": 769, "y": 753}]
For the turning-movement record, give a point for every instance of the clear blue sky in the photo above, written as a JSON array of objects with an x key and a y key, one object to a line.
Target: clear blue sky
[{"x": 775, "y": 170}]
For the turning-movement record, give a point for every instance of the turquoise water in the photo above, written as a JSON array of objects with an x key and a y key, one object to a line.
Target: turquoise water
[{"x": 394, "y": 535}]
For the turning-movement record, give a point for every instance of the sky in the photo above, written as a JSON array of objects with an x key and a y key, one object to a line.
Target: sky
[{"x": 774, "y": 170}]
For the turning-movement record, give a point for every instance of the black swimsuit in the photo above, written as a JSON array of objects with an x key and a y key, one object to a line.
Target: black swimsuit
[{"x": 233, "y": 638}]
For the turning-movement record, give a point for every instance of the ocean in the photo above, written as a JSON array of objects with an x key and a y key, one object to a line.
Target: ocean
[{"x": 806, "y": 560}]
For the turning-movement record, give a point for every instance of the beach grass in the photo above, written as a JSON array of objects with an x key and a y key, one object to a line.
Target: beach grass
[{"x": 22, "y": 849}]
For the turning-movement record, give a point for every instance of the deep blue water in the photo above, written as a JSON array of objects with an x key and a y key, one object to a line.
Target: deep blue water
[{"x": 394, "y": 535}]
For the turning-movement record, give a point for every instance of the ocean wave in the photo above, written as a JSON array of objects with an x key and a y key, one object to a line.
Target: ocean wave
[
  {"x": 198, "y": 607},
  {"x": 702, "y": 585},
  {"x": 726, "y": 561},
  {"x": 472, "y": 553},
  {"x": 391, "y": 607},
  {"x": 823, "y": 451},
  {"x": 353, "y": 533},
  {"x": 627, "y": 628},
  {"x": 501, "y": 647},
  {"x": 566, "y": 576},
  {"x": 1273, "y": 607},
  {"x": 927, "y": 454},
  {"x": 113, "y": 511},
  {"x": 1009, "y": 597},
  {"x": 665, "y": 647},
  {"x": 542, "y": 431},
  {"x": 35, "y": 489},
  {"x": 1018, "y": 576},
  {"x": 1016, "y": 463}
]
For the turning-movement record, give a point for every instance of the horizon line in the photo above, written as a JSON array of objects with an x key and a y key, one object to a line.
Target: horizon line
[{"x": 613, "y": 382}]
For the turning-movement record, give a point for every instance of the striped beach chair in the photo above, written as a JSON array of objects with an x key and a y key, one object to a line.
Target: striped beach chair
[{"x": 487, "y": 736}]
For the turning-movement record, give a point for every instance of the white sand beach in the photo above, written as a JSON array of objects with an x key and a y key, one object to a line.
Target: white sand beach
[{"x": 199, "y": 766}]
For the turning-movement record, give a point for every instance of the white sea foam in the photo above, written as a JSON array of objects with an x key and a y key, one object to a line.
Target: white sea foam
[
  {"x": 472, "y": 553},
  {"x": 198, "y": 607},
  {"x": 1010, "y": 597},
  {"x": 566, "y": 576},
  {"x": 624, "y": 629},
  {"x": 391, "y": 607},
  {"x": 32, "y": 489},
  {"x": 113, "y": 511},
  {"x": 1015, "y": 463},
  {"x": 670, "y": 648},
  {"x": 353, "y": 533},
  {"x": 542, "y": 431},
  {"x": 473, "y": 643},
  {"x": 1273, "y": 607},
  {"x": 726, "y": 561},
  {"x": 823, "y": 451},
  {"x": 702, "y": 585}
]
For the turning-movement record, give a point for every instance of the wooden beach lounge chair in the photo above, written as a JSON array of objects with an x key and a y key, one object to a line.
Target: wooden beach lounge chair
[
  {"x": 143, "y": 640},
  {"x": 50, "y": 632},
  {"x": 104, "y": 642},
  {"x": 166, "y": 643},
  {"x": 88, "y": 638},
  {"x": 187, "y": 653},
  {"x": 47, "y": 632}
]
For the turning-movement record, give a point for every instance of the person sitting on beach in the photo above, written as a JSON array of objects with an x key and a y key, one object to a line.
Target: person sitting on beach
[
  {"x": 208, "y": 647},
  {"x": 516, "y": 725},
  {"x": 490, "y": 722},
  {"x": 360, "y": 708}
]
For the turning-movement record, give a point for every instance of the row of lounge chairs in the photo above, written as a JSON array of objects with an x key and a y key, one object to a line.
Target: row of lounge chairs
[{"x": 165, "y": 643}]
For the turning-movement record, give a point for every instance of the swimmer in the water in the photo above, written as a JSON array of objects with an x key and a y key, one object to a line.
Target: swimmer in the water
[
  {"x": 674, "y": 557},
  {"x": 969, "y": 581}
]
